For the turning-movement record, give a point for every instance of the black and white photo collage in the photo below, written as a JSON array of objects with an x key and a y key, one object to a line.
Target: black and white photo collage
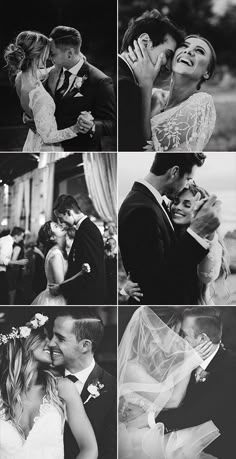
[{"x": 118, "y": 229}]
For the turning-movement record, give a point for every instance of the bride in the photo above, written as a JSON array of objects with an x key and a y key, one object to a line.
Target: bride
[
  {"x": 33, "y": 401},
  {"x": 155, "y": 365},
  {"x": 53, "y": 238},
  {"x": 26, "y": 61},
  {"x": 183, "y": 118}
]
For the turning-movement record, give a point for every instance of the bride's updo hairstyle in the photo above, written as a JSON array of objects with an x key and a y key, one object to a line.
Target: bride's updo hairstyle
[
  {"x": 29, "y": 50},
  {"x": 17, "y": 367},
  {"x": 45, "y": 236}
]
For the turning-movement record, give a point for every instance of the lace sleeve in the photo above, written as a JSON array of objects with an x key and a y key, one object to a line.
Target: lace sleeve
[
  {"x": 45, "y": 121},
  {"x": 187, "y": 127},
  {"x": 209, "y": 268}
]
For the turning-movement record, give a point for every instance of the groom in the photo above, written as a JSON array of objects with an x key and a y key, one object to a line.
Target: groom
[
  {"x": 77, "y": 333},
  {"x": 164, "y": 267},
  {"x": 87, "y": 247},
  {"x": 78, "y": 86},
  {"x": 211, "y": 394},
  {"x": 158, "y": 35}
]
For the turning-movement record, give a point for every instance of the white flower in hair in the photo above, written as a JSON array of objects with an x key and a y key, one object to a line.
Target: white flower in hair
[
  {"x": 24, "y": 332},
  {"x": 34, "y": 323},
  {"x": 41, "y": 319}
]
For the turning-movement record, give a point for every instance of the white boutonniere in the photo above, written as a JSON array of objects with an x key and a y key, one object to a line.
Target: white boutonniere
[
  {"x": 202, "y": 376},
  {"x": 79, "y": 81},
  {"x": 94, "y": 390}
]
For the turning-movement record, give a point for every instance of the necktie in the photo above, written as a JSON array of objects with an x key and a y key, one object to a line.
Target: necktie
[
  {"x": 62, "y": 90},
  {"x": 164, "y": 205},
  {"x": 72, "y": 378}
]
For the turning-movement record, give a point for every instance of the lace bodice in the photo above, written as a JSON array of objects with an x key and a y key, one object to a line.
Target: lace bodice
[
  {"x": 45, "y": 440},
  {"x": 43, "y": 109},
  {"x": 51, "y": 253},
  {"x": 186, "y": 127}
]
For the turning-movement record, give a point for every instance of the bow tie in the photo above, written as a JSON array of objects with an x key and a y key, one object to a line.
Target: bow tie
[{"x": 73, "y": 378}]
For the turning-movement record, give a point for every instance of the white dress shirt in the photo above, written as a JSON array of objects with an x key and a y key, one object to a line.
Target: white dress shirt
[
  {"x": 82, "y": 376},
  {"x": 159, "y": 198},
  {"x": 6, "y": 248},
  {"x": 74, "y": 71}
]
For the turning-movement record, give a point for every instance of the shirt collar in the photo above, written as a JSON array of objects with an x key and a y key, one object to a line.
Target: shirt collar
[
  {"x": 157, "y": 196},
  {"x": 82, "y": 218},
  {"x": 83, "y": 374},
  {"x": 206, "y": 362},
  {"x": 75, "y": 69}
]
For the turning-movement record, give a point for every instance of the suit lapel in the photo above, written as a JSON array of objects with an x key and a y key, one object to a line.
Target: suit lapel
[
  {"x": 216, "y": 361},
  {"x": 143, "y": 189},
  {"x": 95, "y": 375}
]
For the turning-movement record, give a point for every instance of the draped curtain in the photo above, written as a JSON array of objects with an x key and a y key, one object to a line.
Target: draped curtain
[
  {"x": 40, "y": 208},
  {"x": 100, "y": 175},
  {"x": 48, "y": 158}
]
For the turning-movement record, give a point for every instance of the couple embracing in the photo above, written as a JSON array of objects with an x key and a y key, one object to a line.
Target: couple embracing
[
  {"x": 53, "y": 383},
  {"x": 78, "y": 278},
  {"x": 172, "y": 252},
  {"x": 176, "y": 386},
  {"x": 181, "y": 118},
  {"x": 69, "y": 106}
]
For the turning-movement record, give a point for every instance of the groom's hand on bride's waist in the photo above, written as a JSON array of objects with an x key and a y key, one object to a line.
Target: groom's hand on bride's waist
[
  {"x": 29, "y": 122},
  {"x": 54, "y": 290}
]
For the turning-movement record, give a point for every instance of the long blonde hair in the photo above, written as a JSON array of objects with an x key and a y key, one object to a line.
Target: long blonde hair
[{"x": 17, "y": 369}]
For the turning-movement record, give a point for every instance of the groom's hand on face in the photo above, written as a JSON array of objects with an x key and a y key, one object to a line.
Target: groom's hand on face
[{"x": 207, "y": 217}]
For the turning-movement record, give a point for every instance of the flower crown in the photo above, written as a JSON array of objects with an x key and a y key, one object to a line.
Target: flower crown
[{"x": 23, "y": 332}]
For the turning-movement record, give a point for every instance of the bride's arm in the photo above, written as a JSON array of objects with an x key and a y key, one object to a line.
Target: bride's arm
[
  {"x": 145, "y": 72},
  {"x": 57, "y": 268},
  {"x": 78, "y": 420},
  {"x": 209, "y": 267},
  {"x": 45, "y": 121}
]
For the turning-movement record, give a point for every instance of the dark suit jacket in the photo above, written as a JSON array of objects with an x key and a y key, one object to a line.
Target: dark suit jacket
[
  {"x": 164, "y": 267},
  {"x": 131, "y": 136},
  {"x": 101, "y": 412},
  {"x": 214, "y": 399},
  {"x": 87, "y": 247},
  {"x": 98, "y": 97}
]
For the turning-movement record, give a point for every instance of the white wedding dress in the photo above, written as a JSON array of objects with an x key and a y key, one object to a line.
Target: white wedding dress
[
  {"x": 186, "y": 127},
  {"x": 47, "y": 136},
  {"x": 45, "y": 298},
  {"x": 45, "y": 440},
  {"x": 155, "y": 366}
]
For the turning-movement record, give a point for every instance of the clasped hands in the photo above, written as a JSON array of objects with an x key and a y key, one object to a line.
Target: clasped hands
[{"x": 85, "y": 122}]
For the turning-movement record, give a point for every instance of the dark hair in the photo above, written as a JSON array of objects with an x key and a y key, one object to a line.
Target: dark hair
[
  {"x": 207, "y": 321},
  {"x": 66, "y": 202},
  {"x": 65, "y": 37},
  {"x": 212, "y": 62},
  {"x": 170, "y": 315},
  {"x": 29, "y": 47},
  {"x": 88, "y": 324},
  {"x": 155, "y": 25},
  {"x": 44, "y": 236},
  {"x": 185, "y": 161},
  {"x": 17, "y": 231}
]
